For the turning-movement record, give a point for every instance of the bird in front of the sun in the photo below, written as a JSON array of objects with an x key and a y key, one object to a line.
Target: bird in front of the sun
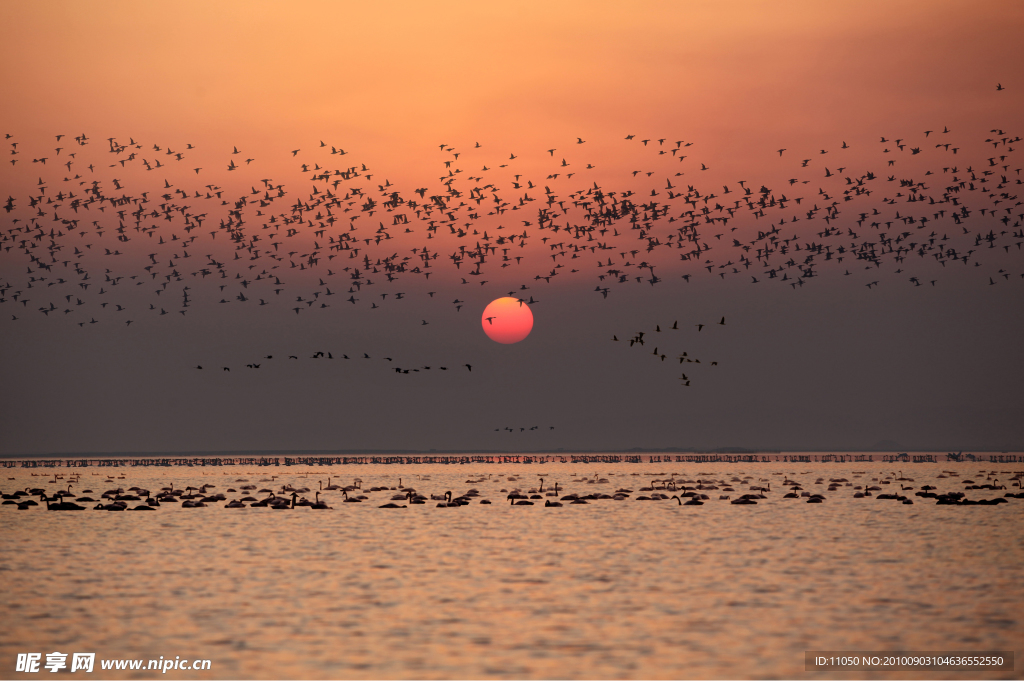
[{"x": 507, "y": 320}]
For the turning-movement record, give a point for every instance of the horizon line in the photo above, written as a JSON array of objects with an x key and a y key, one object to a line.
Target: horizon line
[{"x": 560, "y": 450}]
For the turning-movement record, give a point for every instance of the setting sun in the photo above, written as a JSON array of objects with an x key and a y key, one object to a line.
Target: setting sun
[{"x": 507, "y": 320}]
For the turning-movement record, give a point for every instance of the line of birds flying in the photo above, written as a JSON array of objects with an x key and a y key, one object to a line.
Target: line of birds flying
[{"x": 329, "y": 355}]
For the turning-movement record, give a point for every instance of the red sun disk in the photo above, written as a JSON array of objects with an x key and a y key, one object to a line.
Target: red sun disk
[{"x": 507, "y": 320}]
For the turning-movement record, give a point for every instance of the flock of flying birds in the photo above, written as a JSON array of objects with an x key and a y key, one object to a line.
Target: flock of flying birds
[
  {"x": 804, "y": 487},
  {"x": 104, "y": 217},
  {"x": 684, "y": 357}
]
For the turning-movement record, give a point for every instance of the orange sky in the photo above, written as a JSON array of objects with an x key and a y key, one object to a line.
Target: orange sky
[{"x": 394, "y": 79}]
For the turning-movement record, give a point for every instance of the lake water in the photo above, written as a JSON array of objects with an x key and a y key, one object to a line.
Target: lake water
[{"x": 608, "y": 589}]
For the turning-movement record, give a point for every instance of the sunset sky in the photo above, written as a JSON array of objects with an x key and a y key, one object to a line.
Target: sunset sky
[{"x": 502, "y": 110}]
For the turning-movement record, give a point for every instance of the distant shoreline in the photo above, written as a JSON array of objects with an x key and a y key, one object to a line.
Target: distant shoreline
[
  {"x": 488, "y": 458},
  {"x": 233, "y": 453}
]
